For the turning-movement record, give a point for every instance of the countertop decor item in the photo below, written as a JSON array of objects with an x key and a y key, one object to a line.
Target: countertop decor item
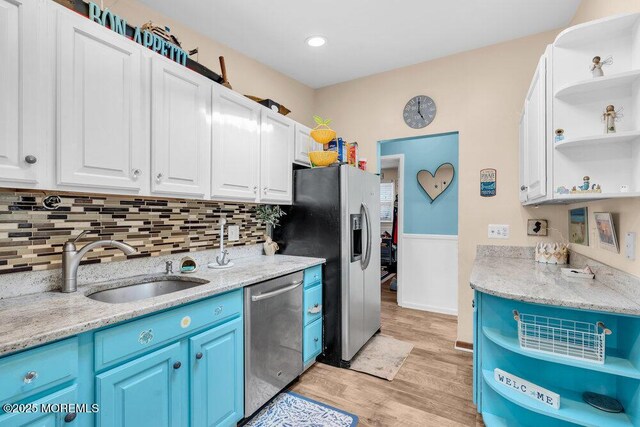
[
  {"x": 585, "y": 273},
  {"x": 419, "y": 112},
  {"x": 552, "y": 253},
  {"x": 270, "y": 247},
  {"x": 606, "y": 231},
  {"x": 436, "y": 184},
  {"x": 188, "y": 265},
  {"x": 322, "y": 158},
  {"x": 602, "y": 402},
  {"x": 322, "y": 133},
  {"x": 270, "y": 215}
]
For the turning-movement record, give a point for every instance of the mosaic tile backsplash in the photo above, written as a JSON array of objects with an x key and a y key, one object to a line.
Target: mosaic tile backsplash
[{"x": 31, "y": 236}]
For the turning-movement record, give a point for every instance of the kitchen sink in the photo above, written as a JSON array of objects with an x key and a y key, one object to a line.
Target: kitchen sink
[{"x": 145, "y": 289}]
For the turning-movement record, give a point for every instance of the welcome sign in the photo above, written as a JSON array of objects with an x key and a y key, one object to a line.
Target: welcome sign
[
  {"x": 110, "y": 20},
  {"x": 531, "y": 390}
]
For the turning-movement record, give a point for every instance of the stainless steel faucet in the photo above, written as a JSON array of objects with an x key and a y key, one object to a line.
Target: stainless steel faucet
[{"x": 71, "y": 258}]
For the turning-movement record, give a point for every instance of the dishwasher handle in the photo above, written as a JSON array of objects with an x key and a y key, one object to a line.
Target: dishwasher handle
[{"x": 276, "y": 292}]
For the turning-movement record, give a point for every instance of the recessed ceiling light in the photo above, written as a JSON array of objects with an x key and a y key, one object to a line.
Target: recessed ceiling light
[{"x": 316, "y": 41}]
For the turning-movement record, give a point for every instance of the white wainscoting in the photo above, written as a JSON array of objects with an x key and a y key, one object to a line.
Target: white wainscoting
[{"x": 429, "y": 273}]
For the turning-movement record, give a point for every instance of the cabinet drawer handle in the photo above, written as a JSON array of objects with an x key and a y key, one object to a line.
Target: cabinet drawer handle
[
  {"x": 523, "y": 188},
  {"x": 136, "y": 173},
  {"x": 159, "y": 178},
  {"x": 315, "y": 309},
  {"x": 30, "y": 159},
  {"x": 70, "y": 417},
  {"x": 177, "y": 365},
  {"x": 30, "y": 376},
  {"x": 316, "y": 339},
  {"x": 199, "y": 355}
]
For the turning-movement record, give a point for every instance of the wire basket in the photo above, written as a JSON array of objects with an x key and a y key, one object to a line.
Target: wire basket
[{"x": 567, "y": 338}]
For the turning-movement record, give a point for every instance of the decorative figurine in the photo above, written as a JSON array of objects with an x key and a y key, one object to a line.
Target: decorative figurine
[
  {"x": 559, "y": 135},
  {"x": 610, "y": 117},
  {"x": 585, "y": 187},
  {"x": 562, "y": 190},
  {"x": 585, "y": 183},
  {"x": 596, "y": 66}
]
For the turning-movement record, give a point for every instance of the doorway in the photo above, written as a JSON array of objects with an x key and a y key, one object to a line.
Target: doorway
[{"x": 391, "y": 214}]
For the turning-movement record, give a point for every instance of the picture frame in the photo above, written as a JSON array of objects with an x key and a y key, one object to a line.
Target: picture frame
[
  {"x": 606, "y": 231},
  {"x": 578, "y": 226},
  {"x": 537, "y": 227}
]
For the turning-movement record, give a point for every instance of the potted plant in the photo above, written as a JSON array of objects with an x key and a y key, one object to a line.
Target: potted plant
[{"x": 269, "y": 215}]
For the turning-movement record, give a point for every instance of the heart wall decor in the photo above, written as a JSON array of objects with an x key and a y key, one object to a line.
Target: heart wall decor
[{"x": 436, "y": 184}]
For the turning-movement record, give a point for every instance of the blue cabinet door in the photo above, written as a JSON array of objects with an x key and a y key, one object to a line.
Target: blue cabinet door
[
  {"x": 151, "y": 391},
  {"x": 217, "y": 375},
  {"x": 42, "y": 417}
]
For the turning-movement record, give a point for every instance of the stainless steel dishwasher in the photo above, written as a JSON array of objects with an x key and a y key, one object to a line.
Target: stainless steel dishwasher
[{"x": 272, "y": 338}]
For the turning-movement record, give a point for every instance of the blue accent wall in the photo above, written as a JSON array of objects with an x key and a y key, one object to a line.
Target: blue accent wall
[{"x": 427, "y": 152}]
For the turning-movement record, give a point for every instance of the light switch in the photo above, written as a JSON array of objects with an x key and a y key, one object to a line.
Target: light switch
[
  {"x": 630, "y": 245},
  {"x": 234, "y": 232},
  {"x": 498, "y": 231}
]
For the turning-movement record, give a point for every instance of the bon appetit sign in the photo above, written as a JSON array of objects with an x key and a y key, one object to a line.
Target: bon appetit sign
[{"x": 146, "y": 38}]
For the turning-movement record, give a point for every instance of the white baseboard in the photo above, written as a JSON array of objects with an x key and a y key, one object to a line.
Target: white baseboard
[
  {"x": 466, "y": 350},
  {"x": 431, "y": 308}
]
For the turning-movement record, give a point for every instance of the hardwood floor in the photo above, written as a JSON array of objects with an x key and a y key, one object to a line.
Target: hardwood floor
[{"x": 433, "y": 387}]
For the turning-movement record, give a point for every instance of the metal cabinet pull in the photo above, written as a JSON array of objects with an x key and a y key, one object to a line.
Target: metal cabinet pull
[
  {"x": 199, "y": 355},
  {"x": 70, "y": 417},
  {"x": 276, "y": 292},
  {"x": 316, "y": 339},
  {"x": 177, "y": 365},
  {"x": 30, "y": 159},
  {"x": 523, "y": 188},
  {"x": 255, "y": 189},
  {"x": 159, "y": 178},
  {"x": 30, "y": 376},
  {"x": 264, "y": 190},
  {"x": 136, "y": 173},
  {"x": 317, "y": 308}
]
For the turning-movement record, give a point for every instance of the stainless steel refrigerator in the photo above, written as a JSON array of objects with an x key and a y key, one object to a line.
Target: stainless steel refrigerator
[{"x": 336, "y": 215}]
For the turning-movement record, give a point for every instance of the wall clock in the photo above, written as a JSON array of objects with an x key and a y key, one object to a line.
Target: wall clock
[{"x": 419, "y": 112}]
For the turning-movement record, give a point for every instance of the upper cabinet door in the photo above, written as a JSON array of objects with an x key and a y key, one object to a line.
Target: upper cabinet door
[
  {"x": 180, "y": 130},
  {"x": 100, "y": 141},
  {"x": 276, "y": 147},
  {"x": 535, "y": 135},
  {"x": 303, "y": 144},
  {"x": 236, "y": 146},
  {"x": 22, "y": 156},
  {"x": 522, "y": 157}
]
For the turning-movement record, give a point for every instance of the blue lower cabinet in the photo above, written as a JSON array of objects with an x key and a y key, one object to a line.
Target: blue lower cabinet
[
  {"x": 312, "y": 341},
  {"x": 45, "y": 415},
  {"x": 151, "y": 391},
  {"x": 217, "y": 372}
]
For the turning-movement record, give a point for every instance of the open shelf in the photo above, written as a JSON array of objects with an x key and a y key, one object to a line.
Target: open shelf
[
  {"x": 572, "y": 408},
  {"x": 575, "y": 198},
  {"x": 589, "y": 32},
  {"x": 605, "y": 138},
  {"x": 612, "y": 365},
  {"x": 491, "y": 420},
  {"x": 598, "y": 87}
]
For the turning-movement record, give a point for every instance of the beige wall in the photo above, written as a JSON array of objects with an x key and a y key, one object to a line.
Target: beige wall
[
  {"x": 480, "y": 94},
  {"x": 246, "y": 75}
]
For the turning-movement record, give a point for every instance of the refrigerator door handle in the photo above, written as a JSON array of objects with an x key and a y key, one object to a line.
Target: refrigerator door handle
[{"x": 367, "y": 258}]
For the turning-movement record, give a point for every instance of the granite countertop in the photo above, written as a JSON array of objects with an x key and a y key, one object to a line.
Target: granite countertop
[
  {"x": 523, "y": 279},
  {"x": 31, "y": 320}
]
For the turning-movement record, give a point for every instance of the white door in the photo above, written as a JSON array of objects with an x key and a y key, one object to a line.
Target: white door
[
  {"x": 100, "y": 140},
  {"x": 535, "y": 170},
  {"x": 22, "y": 159},
  {"x": 276, "y": 147},
  {"x": 236, "y": 146},
  {"x": 303, "y": 144},
  {"x": 522, "y": 182},
  {"x": 180, "y": 130}
]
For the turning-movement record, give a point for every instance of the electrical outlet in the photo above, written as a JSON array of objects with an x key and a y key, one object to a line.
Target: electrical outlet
[
  {"x": 630, "y": 245},
  {"x": 498, "y": 231},
  {"x": 234, "y": 232}
]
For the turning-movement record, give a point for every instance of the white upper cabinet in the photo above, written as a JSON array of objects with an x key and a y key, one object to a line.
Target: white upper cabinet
[
  {"x": 22, "y": 153},
  {"x": 534, "y": 134},
  {"x": 236, "y": 146},
  {"x": 276, "y": 155},
  {"x": 303, "y": 144},
  {"x": 180, "y": 130},
  {"x": 100, "y": 141}
]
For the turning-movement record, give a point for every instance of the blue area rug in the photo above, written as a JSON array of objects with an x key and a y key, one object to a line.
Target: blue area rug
[{"x": 293, "y": 410}]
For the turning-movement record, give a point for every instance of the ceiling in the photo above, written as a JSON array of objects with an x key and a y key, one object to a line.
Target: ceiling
[{"x": 364, "y": 37}]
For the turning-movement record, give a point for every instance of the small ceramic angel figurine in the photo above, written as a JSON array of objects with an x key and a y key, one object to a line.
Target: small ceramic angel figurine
[
  {"x": 596, "y": 66},
  {"x": 610, "y": 117}
]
